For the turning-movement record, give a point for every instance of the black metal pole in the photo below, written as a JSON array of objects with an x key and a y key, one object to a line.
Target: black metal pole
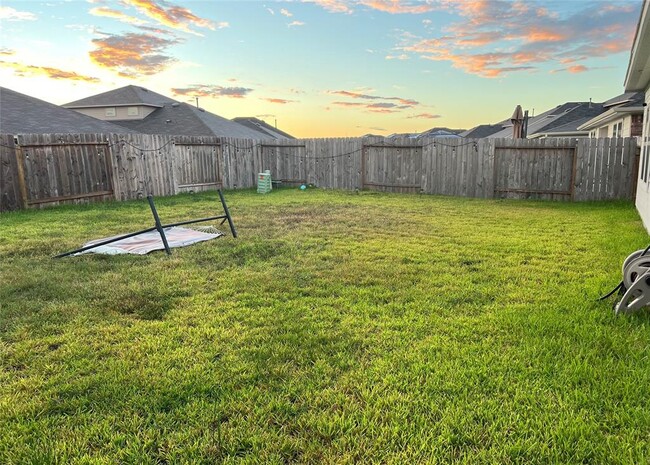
[
  {"x": 159, "y": 226},
  {"x": 227, "y": 212},
  {"x": 201, "y": 220}
]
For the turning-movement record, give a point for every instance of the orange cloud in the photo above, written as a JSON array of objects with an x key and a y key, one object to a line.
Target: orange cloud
[
  {"x": 333, "y": 6},
  {"x": 402, "y": 56},
  {"x": 535, "y": 36},
  {"x": 281, "y": 101},
  {"x": 357, "y": 95},
  {"x": 132, "y": 55},
  {"x": 545, "y": 36},
  {"x": 23, "y": 70},
  {"x": 115, "y": 14},
  {"x": 173, "y": 16},
  {"x": 349, "y": 104},
  {"x": 397, "y": 6},
  {"x": 199, "y": 90},
  {"x": 6, "y": 51},
  {"x": 425, "y": 116},
  {"x": 376, "y": 107},
  {"x": 577, "y": 69}
]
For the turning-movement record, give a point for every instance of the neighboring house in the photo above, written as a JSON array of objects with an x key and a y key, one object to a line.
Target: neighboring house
[
  {"x": 623, "y": 117},
  {"x": 23, "y": 114},
  {"x": 442, "y": 133},
  {"x": 637, "y": 79},
  {"x": 561, "y": 121},
  {"x": 142, "y": 110},
  {"x": 482, "y": 130},
  {"x": 434, "y": 133},
  {"x": 261, "y": 126}
]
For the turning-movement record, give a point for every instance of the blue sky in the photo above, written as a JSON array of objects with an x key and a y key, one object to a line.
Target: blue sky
[{"x": 326, "y": 68}]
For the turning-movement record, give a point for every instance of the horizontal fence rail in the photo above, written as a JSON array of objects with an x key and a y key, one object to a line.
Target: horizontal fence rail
[{"x": 46, "y": 169}]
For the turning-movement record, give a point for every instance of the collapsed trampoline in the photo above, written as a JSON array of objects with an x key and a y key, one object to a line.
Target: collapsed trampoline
[{"x": 159, "y": 237}]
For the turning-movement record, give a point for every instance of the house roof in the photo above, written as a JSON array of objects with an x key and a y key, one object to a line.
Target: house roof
[
  {"x": 169, "y": 116},
  {"x": 441, "y": 132},
  {"x": 482, "y": 130},
  {"x": 128, "y": 95},
  {"x": 628, "y": 99},
  {"x": 183, "y": 119},
  {"x": 23, "y": 114},
  {"x": 637, "y": 77},
  {"x": 567, "y": 115},
  {"x": 570, "y": 129},
  {"x": 628, "y": 103},
  {"x": 259, "y": 125}
]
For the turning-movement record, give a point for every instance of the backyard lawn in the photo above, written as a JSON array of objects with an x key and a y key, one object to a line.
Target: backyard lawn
[{"x": 338, "y": 328}]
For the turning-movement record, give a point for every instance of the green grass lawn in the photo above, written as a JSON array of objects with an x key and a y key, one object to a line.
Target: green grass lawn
[{"x": 338, "y": 328}]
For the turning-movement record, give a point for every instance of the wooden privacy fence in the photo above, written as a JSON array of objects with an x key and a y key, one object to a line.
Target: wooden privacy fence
[{"x": 41, "y": 169}]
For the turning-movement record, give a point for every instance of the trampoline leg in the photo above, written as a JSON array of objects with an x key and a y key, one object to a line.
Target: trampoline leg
[
  {"x": 159, "y": 227},
  {"x": 227, "y": 212}
]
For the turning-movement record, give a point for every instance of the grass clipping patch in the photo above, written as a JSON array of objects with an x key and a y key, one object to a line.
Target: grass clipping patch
[{"x": 146, "y": 303}]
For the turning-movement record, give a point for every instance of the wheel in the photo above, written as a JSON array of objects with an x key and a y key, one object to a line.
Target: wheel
[
  {"x": 635, "y": 267},
  {"x": 631, "y": 257}
]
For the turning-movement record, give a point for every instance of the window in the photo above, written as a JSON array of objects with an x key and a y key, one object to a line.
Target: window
[
  {"x": 644, "y": 147},
  {"x": 110, "y": 111},
  {"x": 617, "y": 130},
  {"x": 132, "y": 111}
]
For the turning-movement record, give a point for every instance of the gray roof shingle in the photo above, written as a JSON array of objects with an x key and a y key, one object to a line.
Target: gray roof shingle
[
  {"x": 23, "y": 114},
  {"x": 483, "y": 130}
]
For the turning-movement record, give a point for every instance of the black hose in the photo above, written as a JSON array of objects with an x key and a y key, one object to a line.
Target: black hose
[{"x": 613, "y": 291}]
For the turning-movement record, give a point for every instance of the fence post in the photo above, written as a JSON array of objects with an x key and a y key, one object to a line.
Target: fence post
[
  {"x": 635, "y": 170},
  {"x": 362, "y": 178},
  {"x": 20, "y": 171},
  {"x": 493, "y": 157}
]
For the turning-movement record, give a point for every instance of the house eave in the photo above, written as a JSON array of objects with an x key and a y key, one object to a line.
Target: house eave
[
  {"x": 637, "y": 77},
  {"x": 539, "y": 135}
]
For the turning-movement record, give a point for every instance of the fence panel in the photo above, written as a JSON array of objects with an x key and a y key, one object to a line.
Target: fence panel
[
  {"x": 65, "y": 168},
  {"x": 196, "y": 164},
  {"x": 526, "y": 169},
  {"x": 287, "y": 161},
  {"x": 10, "y": 182},
  {"x": 393, "y": 166}
]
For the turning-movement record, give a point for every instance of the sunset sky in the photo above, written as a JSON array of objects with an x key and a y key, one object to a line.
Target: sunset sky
[{"x": 325, "y": 67}]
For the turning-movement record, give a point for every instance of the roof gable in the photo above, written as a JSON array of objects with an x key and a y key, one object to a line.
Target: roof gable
[{"x": 128, "y": 95}]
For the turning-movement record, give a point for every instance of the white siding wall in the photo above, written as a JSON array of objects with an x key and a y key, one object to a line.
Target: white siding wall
[
  {"x": 627, "y": 126},
  {"x": 643, "y": 187},
  {"x": 120, "y": 113}
]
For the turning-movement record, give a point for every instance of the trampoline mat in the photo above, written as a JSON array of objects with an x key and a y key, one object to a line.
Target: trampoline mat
[{"x": 147, "y": 242}]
